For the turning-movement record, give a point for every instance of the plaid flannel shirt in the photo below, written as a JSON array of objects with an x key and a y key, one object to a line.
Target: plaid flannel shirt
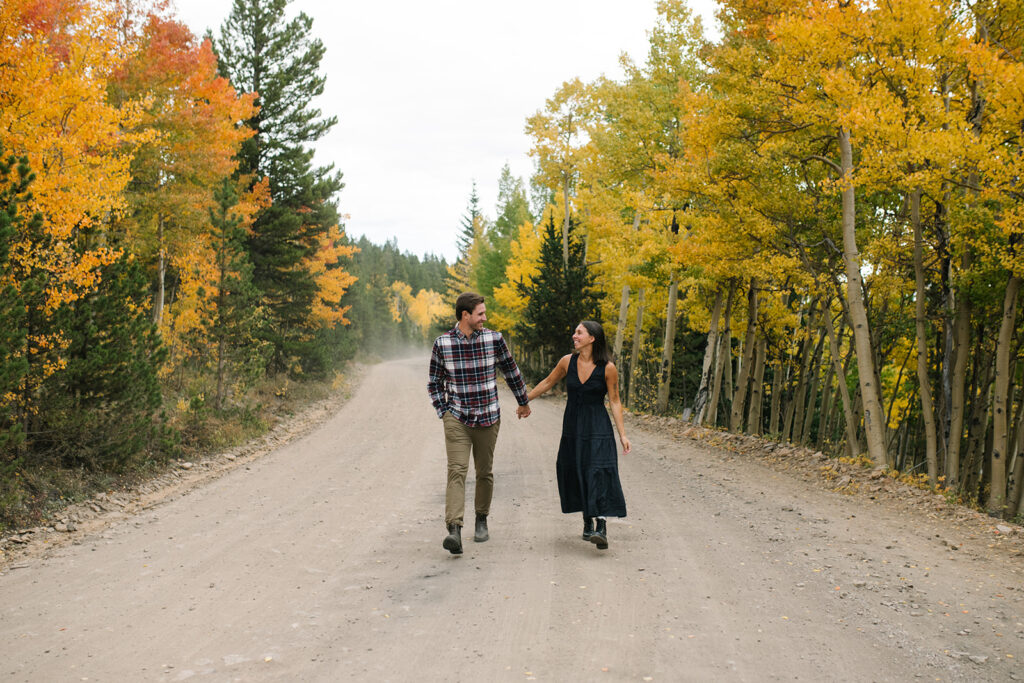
[{"x": 462, "y": 378}]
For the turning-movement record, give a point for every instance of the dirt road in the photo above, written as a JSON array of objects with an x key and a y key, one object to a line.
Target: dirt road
[{"x": 322, "y": 561}]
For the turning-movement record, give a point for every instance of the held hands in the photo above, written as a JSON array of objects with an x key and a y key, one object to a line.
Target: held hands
[
  {"x": 523, "y": 411},
  {"x": 626, "y": 446}
]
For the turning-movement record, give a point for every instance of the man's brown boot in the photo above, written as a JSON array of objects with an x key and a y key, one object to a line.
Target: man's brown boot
[
  {"x": 481, "y": 534},
  {"x": 453, "y": 541}
]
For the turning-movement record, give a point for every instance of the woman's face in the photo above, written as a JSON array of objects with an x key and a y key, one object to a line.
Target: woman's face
[{"x": 581, "y": 337}]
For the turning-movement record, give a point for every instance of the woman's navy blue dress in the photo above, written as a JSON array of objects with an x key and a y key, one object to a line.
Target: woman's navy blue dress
[{"x": 587, "y": 466}]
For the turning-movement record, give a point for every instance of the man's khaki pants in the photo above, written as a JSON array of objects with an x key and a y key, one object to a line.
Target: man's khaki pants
[{"x": 460, "y": 441}]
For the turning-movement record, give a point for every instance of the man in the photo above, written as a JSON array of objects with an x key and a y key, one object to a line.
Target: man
[{"x": 464, "y": 392}]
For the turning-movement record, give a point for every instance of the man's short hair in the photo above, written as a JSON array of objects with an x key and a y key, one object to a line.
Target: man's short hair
[{"x": 467, "y": 301}]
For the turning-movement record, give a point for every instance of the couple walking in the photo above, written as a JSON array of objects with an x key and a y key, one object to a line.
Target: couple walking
[{"x": 464, "y": 391}]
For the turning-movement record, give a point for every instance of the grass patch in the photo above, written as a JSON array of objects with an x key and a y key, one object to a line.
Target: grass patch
[{"x": 33, "y": 492}]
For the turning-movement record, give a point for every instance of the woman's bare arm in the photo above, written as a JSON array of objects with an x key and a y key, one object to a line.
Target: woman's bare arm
[
  {"x": 611, "y": 378},
  {"x": 560, "y": 371}
]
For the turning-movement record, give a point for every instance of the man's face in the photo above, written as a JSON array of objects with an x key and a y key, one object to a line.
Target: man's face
[{"x": 477, "y": 318}]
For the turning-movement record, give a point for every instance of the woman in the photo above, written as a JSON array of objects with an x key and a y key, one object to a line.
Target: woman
[{"x": 587, "y": 466}]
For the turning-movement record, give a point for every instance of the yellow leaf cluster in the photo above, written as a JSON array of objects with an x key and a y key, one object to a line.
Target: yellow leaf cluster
[{"x": 331, "y": 279}]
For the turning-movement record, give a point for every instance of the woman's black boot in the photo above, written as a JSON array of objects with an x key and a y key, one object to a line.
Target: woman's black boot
[
  {"x": 600, "y": 535},
  {"x": 588, "y": 527}
]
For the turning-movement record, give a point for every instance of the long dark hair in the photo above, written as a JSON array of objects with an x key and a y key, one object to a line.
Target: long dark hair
[{"x": 599, "y": 350}]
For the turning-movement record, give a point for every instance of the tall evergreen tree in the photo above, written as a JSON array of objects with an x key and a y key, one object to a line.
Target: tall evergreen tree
[
  {"x": 471, "y": 234},
  {"x": 513, "y": 205},
  {"x": 15, "y": 178},
  {"x": 559, "y": 297},
  {"x": 513, "y": 210},
  {"x": 264, "y": 52},
  {"x": 101, "y": 410},
  {"x": 238, "y": 311},
  {"x": 469, "y": 220}
]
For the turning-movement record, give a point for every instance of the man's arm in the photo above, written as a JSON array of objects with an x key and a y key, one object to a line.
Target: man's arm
[{"x": 436, "y": 381}]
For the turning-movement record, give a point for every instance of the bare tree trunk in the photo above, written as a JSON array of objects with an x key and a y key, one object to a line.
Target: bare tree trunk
[
  {"x": 723, "y": 358},
  {"x": 962, "y": 341},
  {"x": 773, "y": 412},
  {"x": 795, "y": 413},
  {"x": 1016, "y": 508},
  {"x": 812, "y": 392},
  {"x": 978, "y": 424},
  {"x": 923, "y": 382},
  {"x": 700, "y": 402},
  {"x": 623, "y": 311},
  {"x": 565, "y": 223},
  {"x": 634, "y": 357},
  {"x": 828, "y": 398},
  {"x": 158, "y": 305},
  {"x": 727, "y": 385},
  {"x": 754, "y": 417},
  {"x": 844, "y": 391},
  {"x": 739, "y": 399},
  {"x": 1016, "y": 465},
  {"x": 665, "y": 376},
  {"x": 1000, "y": 439},
  {"x": 874, "y": 424}
]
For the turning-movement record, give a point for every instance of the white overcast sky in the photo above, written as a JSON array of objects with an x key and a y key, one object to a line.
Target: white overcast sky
[{"x": 431, "y": 96}]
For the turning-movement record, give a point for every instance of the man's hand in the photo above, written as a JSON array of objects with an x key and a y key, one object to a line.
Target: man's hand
[{"x": 523, "y": 411}]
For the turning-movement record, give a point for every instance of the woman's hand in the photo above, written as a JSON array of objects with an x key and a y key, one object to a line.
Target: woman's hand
[{"x": 626, "y": 446}]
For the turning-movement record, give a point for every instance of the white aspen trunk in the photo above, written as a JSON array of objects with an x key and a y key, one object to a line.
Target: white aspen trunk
[
  {"x": 812, "y": 392},
  {"x": 635, "y": 356},
  {"x": 828, "y": 400},
  {"x": 795, "y": 418},
  {"x": 701, "y": 401},
  {"x": 1000, "y": 425},
  {"x": 665, "y": 376},
  {"x": 776, "y": 405},
  {"x": 844, "y": 391},
  {"x": 739, "y": 398},
  {"x": 957, "y": 406},
  {"x": 754, "y": 417},
  {"x": 728, "y": 388},
  {"x": 874, "y": 420},
  {"x": 1016, "y": 465},
  {"x": 623, "y": 312},
  {"x": 565, "y": 223},
  {"x": 722, "y": 358},
  {"x": 923, "y": 383}
]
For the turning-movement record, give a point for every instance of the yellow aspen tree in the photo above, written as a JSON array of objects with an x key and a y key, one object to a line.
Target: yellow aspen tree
[
  {"x": 558, "y": 133},
  {"x": 56, "y": 61}
]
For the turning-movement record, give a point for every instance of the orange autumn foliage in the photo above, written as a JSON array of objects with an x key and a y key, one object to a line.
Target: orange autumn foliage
[
  {"x": 192, "y": 118},
  {"x": 56, "y": 59},
  {"x": 331, "y": 280}
]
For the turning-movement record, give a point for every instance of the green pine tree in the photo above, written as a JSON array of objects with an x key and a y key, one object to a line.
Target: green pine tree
[
  {"x": 468, "y": 223},
  {"x": 513, "y": 206},
  {"x": 513, "y": 210},
  {"x": 559, "y": 297},
  {"x": 15, "y": 178},
  {"x": 102, "y": 411},
  {"x": 238, "y": 352},
  {"x": 471, "y": 231},
  {"x": 261, "y": 51}
]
